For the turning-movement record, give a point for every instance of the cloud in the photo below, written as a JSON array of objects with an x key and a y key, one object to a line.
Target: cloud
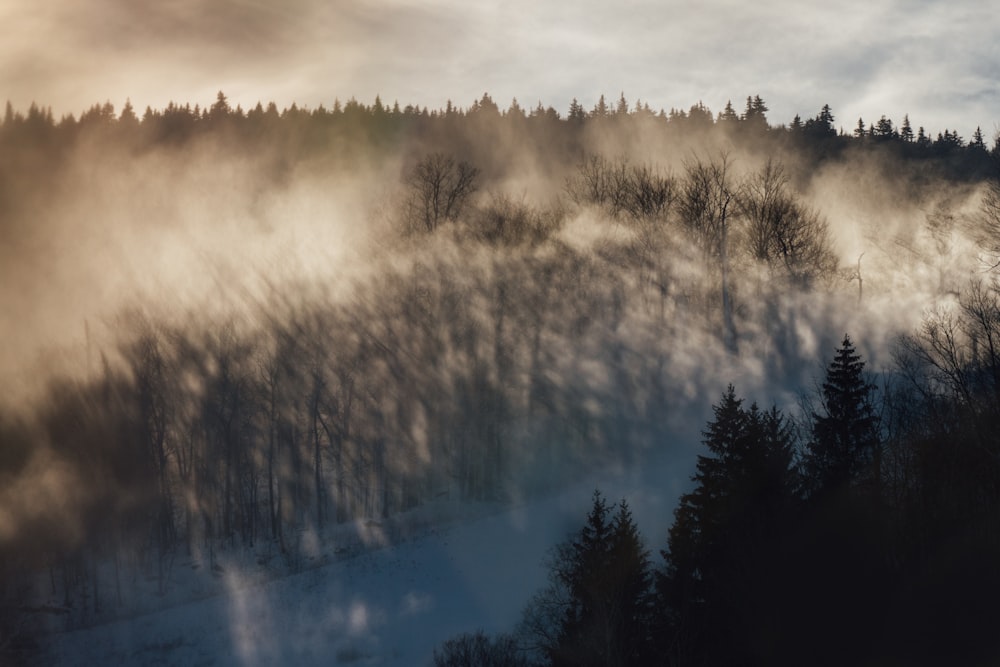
[{"x": 933, "y": 60}]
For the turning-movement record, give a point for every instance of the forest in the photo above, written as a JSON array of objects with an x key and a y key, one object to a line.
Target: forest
[{"x": 229, "y": 328}]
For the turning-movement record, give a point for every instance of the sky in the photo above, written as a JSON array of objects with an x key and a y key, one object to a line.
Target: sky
[{"x": 937, "y": 61}]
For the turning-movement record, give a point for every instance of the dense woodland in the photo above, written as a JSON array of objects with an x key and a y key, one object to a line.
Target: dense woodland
[{"x": 550, "y": 294}]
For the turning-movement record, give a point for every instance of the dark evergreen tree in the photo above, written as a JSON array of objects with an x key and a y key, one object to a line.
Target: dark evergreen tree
[
  {"x": 630, "y": 616},
  {"x": 884, "y": 129},
  {"x": 720, "y": 583},
  {"x": 728, "y": 114},
  {"x": 906, "y": 130},
  {"x": 220, "y": 109},
  {"x": 822, "y": 125},
  {"x": 755, "y": 114},
  {"x": 922, "y": 139},
  {"x": 844, "y": 447},
  {"x": 860, "y": 132},
  {"x": 977, "y": 142},
  {"x": 825, "y": 117},
  {"x": 597, "y": 611}
]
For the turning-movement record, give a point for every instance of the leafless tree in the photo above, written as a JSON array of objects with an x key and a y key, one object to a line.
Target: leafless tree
[
  {"x": 438, "y": 190},
  {"x": 782, "y": 233},
  {"x": 640, "y": 192},
  {"x": 708, "y": 208},
  {"x": 986, "y": 225}
]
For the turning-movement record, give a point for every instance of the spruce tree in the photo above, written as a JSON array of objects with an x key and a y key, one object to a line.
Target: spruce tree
[
  {"x": 604, "y": 577},
  {"x": 630, "y": 592},
  {"x": 844, "y": 446},
  {"x": 718, "y": 573},
  {"x": 906, "y": 132}
]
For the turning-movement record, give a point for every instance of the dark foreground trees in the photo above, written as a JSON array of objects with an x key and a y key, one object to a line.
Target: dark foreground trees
[
  {"x": 597, "y": 607},
  {"x": 866, "y": 542},
  {"x": 723, "y": 591},
  {"x": 844, "y": 447},
  {"x": 480, "y": 650}
]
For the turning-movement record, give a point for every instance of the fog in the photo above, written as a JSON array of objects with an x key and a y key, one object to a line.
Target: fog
[{"x": 255, "y": 333}]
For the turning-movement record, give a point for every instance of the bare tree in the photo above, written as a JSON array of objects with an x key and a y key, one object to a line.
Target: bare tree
[
  {"x": 986, "y": 225},
  {"x": 650, "y": 194},
  {"x": 438, "y": 190},
  {"x": 641, "y": 192},
  {"x": 708, "y": 210},
  {"x": 782, "y": 233}
]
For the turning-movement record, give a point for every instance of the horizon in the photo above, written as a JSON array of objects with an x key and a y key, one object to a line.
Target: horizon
[
  {"x": 738, "y": 105},
  {"x": 935, "y": 62}
]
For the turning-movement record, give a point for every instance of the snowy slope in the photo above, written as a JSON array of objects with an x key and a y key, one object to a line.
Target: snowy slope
[{"x": 385, "y": 606}]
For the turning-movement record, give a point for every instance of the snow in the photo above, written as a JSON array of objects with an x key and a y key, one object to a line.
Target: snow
[{"x": 391, "y": 602}]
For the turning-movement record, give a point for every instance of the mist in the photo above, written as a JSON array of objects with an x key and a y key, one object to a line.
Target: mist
[{"x": 227, "y": 329}]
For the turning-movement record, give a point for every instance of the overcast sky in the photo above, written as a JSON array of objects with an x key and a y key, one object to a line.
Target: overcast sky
[{"x": 938, "y": 61}]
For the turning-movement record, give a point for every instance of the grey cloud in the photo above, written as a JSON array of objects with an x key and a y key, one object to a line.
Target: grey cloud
[{"x": 863, "y": 59}]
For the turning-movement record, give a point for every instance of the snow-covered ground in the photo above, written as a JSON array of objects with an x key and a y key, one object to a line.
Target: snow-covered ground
[{"x": 471, "y": 567}]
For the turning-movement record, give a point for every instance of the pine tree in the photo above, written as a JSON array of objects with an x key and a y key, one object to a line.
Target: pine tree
[
  {"x": 922, "y": 139},
  {"x": 860, "y": 131},
  {"x": 603, "y": 594},
  {"x": 631, "y": 592},
  {"x": 906, "y": 131},
  {"x": 977, "y": 142},
  {"x": 884, "y": 129},
  {"x": 844, "y": 445},
  {"x": 826, "y": 117},
  {"x": 600, "y": 109},
  {"x": 621, "y": 109},
  {"x": 725, "y": 533},
  {"x": 728, "y": 114},
  {"x": 220, "y": 109},
  {"x": 755, "y": 114}
]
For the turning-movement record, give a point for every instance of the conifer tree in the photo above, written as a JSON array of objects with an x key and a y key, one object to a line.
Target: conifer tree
[
  {"x": 860, "y": 131},
  {"x": 728, "y": 114},
  {"x": 597, "y": 612},
  {"x": 844, "y": 444},
  {"x": 826, "y": 118},
  {"x": 977, "y": 142},
  {"x": 725, "y": 532},
  {"x": 600, "y": 109},
  {"x": 906, "y": 131}
]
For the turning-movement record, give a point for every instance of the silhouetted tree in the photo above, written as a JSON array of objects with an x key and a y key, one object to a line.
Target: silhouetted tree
[
  {"x": 717, "y": 593},
  {"x": 755, "y": 114},
  {"x": 859, "y": 131},
  {"x": 906, "y": 130},
  {"x": 479, "y": 650},
  {"x": 596, "y": 610},
  {"x": 844, "y": 448},
  {"x": 439, "y": 188},
  {"x": 781, "y": 232},
  {"x": 708, "y": 208}
]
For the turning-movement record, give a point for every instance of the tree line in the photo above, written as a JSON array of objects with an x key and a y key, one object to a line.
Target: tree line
[{"x": 353, "y": 128}]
